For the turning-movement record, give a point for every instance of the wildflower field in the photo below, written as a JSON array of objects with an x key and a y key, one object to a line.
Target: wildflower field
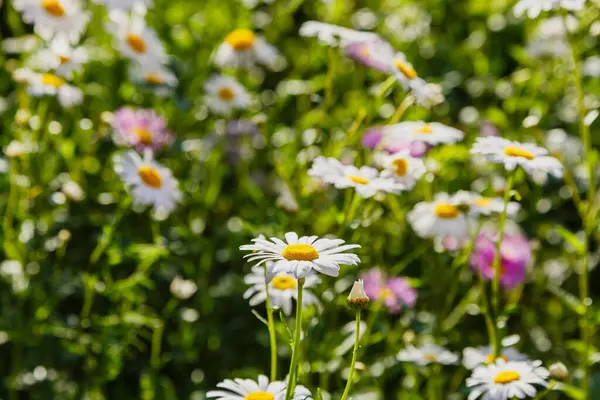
[{"x": 299, "y": 199}]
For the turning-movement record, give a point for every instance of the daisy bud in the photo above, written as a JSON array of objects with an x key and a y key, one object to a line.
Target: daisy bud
[
  {"x": 559, "y": 371},
  {"x": 358, "y": 299}
]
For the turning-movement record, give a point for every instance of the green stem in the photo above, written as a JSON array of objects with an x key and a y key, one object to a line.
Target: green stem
[
  {"x": 292, "y": 375},
  {"x": 406, "y": 103},
  {"x": 107, "y": 237},
  {"x": 354, "y": 355},
  {"x": 272, "y": 332},
  {"x": 330, "y": 76}
]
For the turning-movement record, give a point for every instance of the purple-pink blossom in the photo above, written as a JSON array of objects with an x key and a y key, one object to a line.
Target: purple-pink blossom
[
  {"x": 140, "y": 129},
  {"x": 373, "y": 136},
  {"x": 393, "y": 292}
]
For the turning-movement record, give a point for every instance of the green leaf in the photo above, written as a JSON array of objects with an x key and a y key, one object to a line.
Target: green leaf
[
  {"x": 573, "y": 392},
  {"x": 573, "y": 240},
  {"x": 568, "y": 299}
]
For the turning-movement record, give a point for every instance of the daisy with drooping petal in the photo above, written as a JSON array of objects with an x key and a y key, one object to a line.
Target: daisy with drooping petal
[
  {"x": 403, "y": 168},
  {"x": 51, "y": 17},
  {"x": 427, "y": 354},
  {"x": 365, "y": 180},
  {"x": 123, "y": 4},
  {"x": 141, "y": 129},
  {"x": 506, "y": 380},
  {"x": 135, "y": 40},
  {"x": 444, "y": 216},
  {"x": 61, "y": 57},
  {"x": 225, "y": 94},
  {"x": 150, "y": 182},
  {"x": 512, "y": 154},
  {"x": 47, "y": 84},
  {"x": 248, "y": 389},
  {"x": 533, "y": 8},
  {"x": 474, "y": 357},
  {"x": 283, "y": 288},
  {"x": 394, "y": 292},
  {"x": 432, "y": 133},
  {"x": 242, "y": 48},
  {"x": 334, "y": 35},
  {"x": 299, "y": 256}
]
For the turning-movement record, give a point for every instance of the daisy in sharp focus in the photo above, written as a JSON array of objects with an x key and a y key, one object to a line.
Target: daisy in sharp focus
[
  {"x": 427, "y": 354},
  {"x": 61, "y": 57},
  {"x": 299, "y": 256},
  {"x": 334, "y": 35},
  {"x": 506, "y": 380},
  {"x": 533, "y": 8},
  {"x": 150, "y": 182},
  {"x": 365, "y": 180},
  {"x": 135, "y": 40},
  {"x": 283, "y": 288},
  {"x": 402, "y": 167},
  {"x": 140, "y": 129},
  {"x": 123, "y": 4},
  {"x": 444, "y": 216},
  {"x": 248, "y": 389},
  {"x": 432, "y": 133},
  {"x": 51, "y": 17},
  {"x": 474, "y": 357},
  {"x": 48, "y": 84},
  {"x": 223, "y": 94},
  {"x": 243, "y": 48},
  {"x": 512, "y": 154}
]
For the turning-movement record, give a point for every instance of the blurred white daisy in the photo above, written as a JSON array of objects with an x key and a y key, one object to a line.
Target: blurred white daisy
[
  {"x": 158, "y": 76},
  {"x": 242, "y": 48},
  {"x": 123, "y": 4},
  {"x": 61, "y": 57},
  {"x": 482, "y": 205},
  {"x": 506, "y": 380},
  {"x": 427, "y": 354},
  {"x": 135, "y": 40},
  {"x": 47, "y": 84},
  {"x": 248, "y": 389},
  {"x": 512, "y": 154},
  {"x": 51, "y": 17},
  {"x": 444, "y": 216},
  {"x": 223, "y": 94},
  {"x": 533, "y": 8},
  {"x": 365, "y": 180},
  {"x": 474, "y": 357},
  {"x": 282, "y": 289},
  {"x": 402, "y": 167},
  {"x": 418, "y": 131},
  {"x": 334, "y": 35},
  {"x": 150, "y": 182},
  {"x": 299, "y": 256},
  {"x": 427, "y": 94}
]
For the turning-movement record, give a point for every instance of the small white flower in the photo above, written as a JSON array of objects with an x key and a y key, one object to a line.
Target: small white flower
[
  {"x": 150, "y": 182},
  {"x": 51, "y": 17},
  {"x": 135, "y": 40},
  {"x": 242, "y": 49},
  {"x": 481, "y": 205},
  {"x": 299, "y": 256},
  {"x": 183, "y": 289},
  {"x": 123, "y": 4},
  {"x": 432, "y": 133},
  {"x": 248, "y": 389},
  {"x": 283, "y": 288},
  {"x": 365, "y": 180},
  {"x": 402, "y": 167},
  {"x": 512, "y": 154},
  {"x": 427, "y": 94},
  {"x": 223, "y": 94},
  {"x": 474, "y": 357},
  {"x": 533, "y": 8},
  {"x": 47, "y": 84},
  {"x": 333, "y": 35},
  {"x": 154, "y": 74},
  {"x": 61, "y": 57},
  {"x": 444, "y": 216},
  {"x": 507, "y": 380},
  {"x": 427, "y": 354}
]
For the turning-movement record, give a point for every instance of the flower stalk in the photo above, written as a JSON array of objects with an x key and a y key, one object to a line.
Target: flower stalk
[{"x": 293, "y": 372}]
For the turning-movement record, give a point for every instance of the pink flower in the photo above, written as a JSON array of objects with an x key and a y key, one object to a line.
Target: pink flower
[
  {"x": 515, "y": 256},
  {"x": 140, "y": 129},
  {"x": 373, "y": 136},
  {"x": 394, "y": 292}
]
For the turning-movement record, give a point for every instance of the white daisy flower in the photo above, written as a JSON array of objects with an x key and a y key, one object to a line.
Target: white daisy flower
[
  {"x": 402, "y": 167},
  {"x": 61, "y": 57},
  {"x": 432, "y": 133},
  {"x": 135, "y": 40},
  {"x": 427, "y": 354},
  {"x": 512, "y": 154},
  {"x": 507, "y": 380},
  {"x": 481, "y": 205},
  {"x": 51, "y": 17},
  {"x": 248, "y": 389},
  {"x": 150, "y": 182},
  {"x": 242, "y": 49},
  {"x": 53, "y": 85},
  {"x": 444, "y": 216},
  {"x": 299, "y": 256},
  {"x": 533, "y": 8},
  {"x": 224, "y": 93},
  {"x": 334, "y": 35},
  {"x": 474, "y": 357},
  {"x": 123, "y": 4},
  {"x": 365, "y": 180},
  {"x": 282, "y": 289},
  {"x": 154, "y": 74}
]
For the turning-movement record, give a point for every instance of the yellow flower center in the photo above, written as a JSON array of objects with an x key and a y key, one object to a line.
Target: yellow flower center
[
  {"x": 425, "y": 129},
  {"x": 429, "y": 357},
  {"x": 241, "y": 39},
  {"x": 507, "y": 377},
  {"x": 153, "y": 78},
  {"x": 447, "y": 211},
  {"x": 150, "y": 176},
  {"x": 284, "y": 282},
  {"x": 259, "y": 396},
  {"x": 300, "y": 252},
  {"x": 53, "y": 7},
  {"x": 226, "y": 94},
  {"x": 64, "y": 59},
  {"x": 136, "y": 42},
  {"x": 52, "y": 80},
  {"x": 406, "y": 69},
  {"x": 401, "y": 166},
  {"x": 358, "y": 179},
  {"x": 144, "y": 135},
  {"x": 483, "y": 202},
  {"x": 490, "y": 359},
  {"x": 386, "y": 293},
  {"x": 517, "y": 152}
]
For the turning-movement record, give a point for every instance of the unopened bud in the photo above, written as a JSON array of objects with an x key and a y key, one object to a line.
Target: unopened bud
[
  {"x": 358, "y": 299},
  {"x": 559, "y": 371}
]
